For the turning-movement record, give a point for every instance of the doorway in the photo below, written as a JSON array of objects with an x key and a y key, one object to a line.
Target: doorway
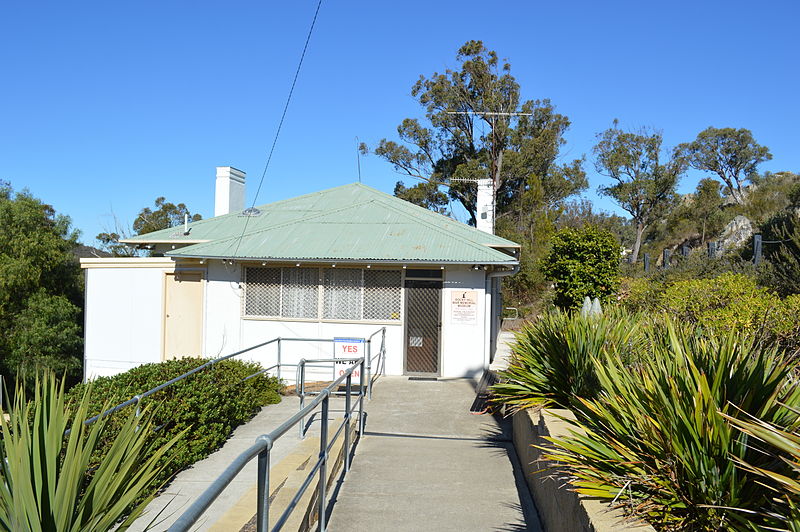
[
  {"x": 183, "y": 314},
  {"x": 423, "y": 327}
]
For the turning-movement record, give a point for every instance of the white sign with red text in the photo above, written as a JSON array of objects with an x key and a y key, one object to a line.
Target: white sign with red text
[{"x": 347, "y": 348}]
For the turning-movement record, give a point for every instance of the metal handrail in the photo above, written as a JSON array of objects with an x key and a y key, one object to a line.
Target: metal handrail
[
  {"x": 138, "y": 398},
  {"x": 262, "y": 448}
]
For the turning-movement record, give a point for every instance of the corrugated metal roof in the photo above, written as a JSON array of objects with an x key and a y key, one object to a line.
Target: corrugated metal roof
[{"x": 351, "y": 222}]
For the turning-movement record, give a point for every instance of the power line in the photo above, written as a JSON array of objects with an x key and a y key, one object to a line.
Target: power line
[{"x": 280, "y": 123}]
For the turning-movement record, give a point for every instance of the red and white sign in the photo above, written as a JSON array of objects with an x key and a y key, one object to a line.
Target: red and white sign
[{"x": 348, "y": 348}]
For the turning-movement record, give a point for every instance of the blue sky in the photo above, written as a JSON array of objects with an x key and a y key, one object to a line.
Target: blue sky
[{"x": 106, "y": 105}]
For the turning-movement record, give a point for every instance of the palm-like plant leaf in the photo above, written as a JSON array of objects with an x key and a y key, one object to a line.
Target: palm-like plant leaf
[{"x": 45, "y": 477}]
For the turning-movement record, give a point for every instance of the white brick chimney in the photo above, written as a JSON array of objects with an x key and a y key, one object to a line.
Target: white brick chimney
[
  {"x": 485, "y": 206},
  {"x": 229, "y": 195}
]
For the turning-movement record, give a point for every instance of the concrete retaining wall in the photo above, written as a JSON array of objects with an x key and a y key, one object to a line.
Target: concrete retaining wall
[{"x": 560, "y": 508}]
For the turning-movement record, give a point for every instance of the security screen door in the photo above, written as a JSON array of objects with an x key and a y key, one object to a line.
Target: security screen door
[{"x": 423, "y": 327}]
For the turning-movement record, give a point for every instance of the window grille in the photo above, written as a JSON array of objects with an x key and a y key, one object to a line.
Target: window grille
[
  {"x": 347, "y": 294},
  {"x": 262, "y": 292},
  {"x": 343, "y": 294},
  {"x": 382, "y": 295},
  {"x": 299, "y": 289}
]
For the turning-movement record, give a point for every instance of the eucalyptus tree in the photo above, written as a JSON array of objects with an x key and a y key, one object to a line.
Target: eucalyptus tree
[
  {"x": 643, "y": 184},
  {"x": 732, "y": 154},
  {"x": 476, "y": 126}
]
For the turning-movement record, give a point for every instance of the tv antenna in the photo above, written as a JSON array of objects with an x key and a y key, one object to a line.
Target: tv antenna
[{"x": 487, "y": 186}]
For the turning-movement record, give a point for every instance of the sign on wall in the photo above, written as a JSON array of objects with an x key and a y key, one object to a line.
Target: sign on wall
[
  {"x": 464, "y": 307},
  {"x": 347, "y": 348}
]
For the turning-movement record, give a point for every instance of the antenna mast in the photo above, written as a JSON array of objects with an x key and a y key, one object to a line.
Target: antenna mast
[{"x": 487, "y": 186}]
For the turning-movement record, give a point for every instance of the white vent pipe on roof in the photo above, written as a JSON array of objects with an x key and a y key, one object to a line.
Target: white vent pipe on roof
[
  {"x": 485, "y": 206},
  {"x": 229, "y": 195}
]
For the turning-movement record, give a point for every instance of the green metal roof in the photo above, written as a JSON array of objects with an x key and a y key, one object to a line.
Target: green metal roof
[{"x": 348, "y": 223}]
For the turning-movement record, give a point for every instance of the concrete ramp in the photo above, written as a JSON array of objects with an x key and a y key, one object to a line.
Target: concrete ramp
[{"x": 426, "y": 463}]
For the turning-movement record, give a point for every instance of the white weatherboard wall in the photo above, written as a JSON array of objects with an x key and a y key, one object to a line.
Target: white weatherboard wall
[
  {"x": 463, "y": 344},
  {"x": 124, "y": 314}
]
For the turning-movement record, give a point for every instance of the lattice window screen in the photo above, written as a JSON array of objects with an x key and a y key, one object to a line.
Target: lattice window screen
[
  {"x": 382, "y": 295},
  {"x": 299, "y": 291},
  {"x": 343, "y": 294},
  {"x": 262, "y": 292}
]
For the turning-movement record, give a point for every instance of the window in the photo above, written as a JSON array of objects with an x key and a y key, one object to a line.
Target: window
[{"x": 343, "y": 294}]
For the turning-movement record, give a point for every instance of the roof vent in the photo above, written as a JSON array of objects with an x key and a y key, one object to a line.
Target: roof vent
[{"x": 251, "y": 211}]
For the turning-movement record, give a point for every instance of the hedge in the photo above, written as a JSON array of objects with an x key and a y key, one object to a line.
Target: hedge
[{"x": 210, "y": 404}]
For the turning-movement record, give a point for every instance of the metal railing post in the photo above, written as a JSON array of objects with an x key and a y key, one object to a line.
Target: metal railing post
[
  {"x": 323, "y": 455},
  {"x": 361, "y": 401},
  {"x": 300, "y": 386},
  {"x": 369, "y": 366},
  {"x": 262, "y": 517},
  {"x": 279, "y": 357},
  {"x": 347, "y": 424}
]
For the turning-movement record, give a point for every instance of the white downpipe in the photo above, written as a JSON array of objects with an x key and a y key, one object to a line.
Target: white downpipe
[{"x": 488, "y": 313}]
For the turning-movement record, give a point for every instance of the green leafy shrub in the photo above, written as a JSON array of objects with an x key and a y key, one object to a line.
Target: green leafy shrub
[
  {"x": 583, "y": 262},
  {"x": 729, "y": 302},
  {"x": 208, "y": 404},
  {"x": 551, "y": 361},
  {"x": 782, "y": 253},
  {"x": 44, "y": 483},
  {"x": 657, "y": 437}
]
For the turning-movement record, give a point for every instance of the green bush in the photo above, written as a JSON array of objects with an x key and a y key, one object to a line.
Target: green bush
[
  {"x": 208, "y": 404},
  {"x": 782, "y": 252},
  {"x": 583, "y": 262},
  {"x": 551, "y": 362},
  {"x": 657, "y": 436},
  {"x": 729, "y": 302}
]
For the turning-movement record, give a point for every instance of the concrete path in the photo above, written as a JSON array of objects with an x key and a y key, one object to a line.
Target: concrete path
[
  {"x": 425, "y": 463},
  {"x": 502, "y": 355},
  {"x": 190, "y": 483}
]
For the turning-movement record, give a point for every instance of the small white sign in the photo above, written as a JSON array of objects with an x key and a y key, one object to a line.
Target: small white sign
[
  {"x": 347, "y": 348},
  {"x": 464, "y": 307}
]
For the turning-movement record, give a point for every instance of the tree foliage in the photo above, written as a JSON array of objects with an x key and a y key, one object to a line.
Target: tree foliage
[
  {"x": 477, "y": 127},
  {"x": 163, "y": 216},
  {"x": 583, "y": 263},
  {"x": 732, "y": 154},
  {"x": 41, "y": 290},
  {"x": 643, "y": 185}
]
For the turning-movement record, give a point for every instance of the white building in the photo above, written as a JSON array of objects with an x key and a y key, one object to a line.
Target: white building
[{"x": 343, "y": 262}]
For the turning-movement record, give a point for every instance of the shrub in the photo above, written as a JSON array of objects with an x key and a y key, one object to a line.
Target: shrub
[
  {"x": 657, "y": 436},
  {"x": 208, "y": 404},
  {"x": 44, "y": 483},
  {"x": 726, "y": 303},
  {"x": 551, "y": 360},
  {"x": 583, "y": 262},
  {"x": 783, "y": 252}
]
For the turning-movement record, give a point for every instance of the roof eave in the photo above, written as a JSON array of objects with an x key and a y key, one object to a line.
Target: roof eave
[
  {"x": 161, "y": 241},
  {"x": 345, "y": 261}
]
